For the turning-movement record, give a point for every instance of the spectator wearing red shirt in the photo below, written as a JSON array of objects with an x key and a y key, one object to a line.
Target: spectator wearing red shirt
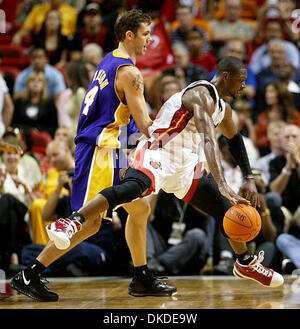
[
  {"x": 279, "y": 106},
  {"x": 92, "y": 32},
  {"x": 195, "y": 41}
]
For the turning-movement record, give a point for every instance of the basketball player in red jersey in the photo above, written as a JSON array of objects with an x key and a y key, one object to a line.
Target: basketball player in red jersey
[{"x": 182, "y": 157}]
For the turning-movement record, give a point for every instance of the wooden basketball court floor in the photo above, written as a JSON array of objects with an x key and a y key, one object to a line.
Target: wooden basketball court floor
[{"x": 194, "y": 292}]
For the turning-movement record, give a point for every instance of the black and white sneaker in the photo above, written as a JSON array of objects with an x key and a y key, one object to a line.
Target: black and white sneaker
[
  {"x": 34, "y": 288},
  {"x": 150, "y": 286}
]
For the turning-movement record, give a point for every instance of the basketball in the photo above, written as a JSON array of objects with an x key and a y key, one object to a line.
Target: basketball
[{"x": 242, "y": 223}]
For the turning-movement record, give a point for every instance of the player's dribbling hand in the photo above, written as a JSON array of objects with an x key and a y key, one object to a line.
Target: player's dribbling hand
[{"x": 234, "y": 198}]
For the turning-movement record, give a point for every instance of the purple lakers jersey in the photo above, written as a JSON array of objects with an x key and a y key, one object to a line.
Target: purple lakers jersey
[{"x": 103, "y": 115}]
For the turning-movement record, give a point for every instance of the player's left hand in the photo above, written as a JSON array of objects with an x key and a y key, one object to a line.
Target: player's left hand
[{"x": 248, "y": 191}]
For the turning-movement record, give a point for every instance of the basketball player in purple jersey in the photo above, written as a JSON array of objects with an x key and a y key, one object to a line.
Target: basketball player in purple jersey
[{"x": 115, "y": 95}]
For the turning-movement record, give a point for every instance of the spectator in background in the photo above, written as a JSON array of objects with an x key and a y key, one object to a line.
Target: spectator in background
[
  {"x": 91, "y": 69},
  {"x": 286, "y": 74},
  {"x": 174, "y": 245},
  {"x": 52, "y": 40},
  {"x": 6, "y": 107},
  {"x": 37, "y": 16},
  {"x": 273, "y": 134},
  {"x": 159, "y": 55},
  {"x": 60, "y": 160},
  {"x": 8, "y": 77},
  {"x": 88, "y": 257},
  {"x": 249, "y": 9},
  {"x": 79, "y": 80},
  {"x": 165, "y": 87},
  {"x": 92, "y": 31},
  {"x": 109, "y": 10},
  {"x": 185, "y": 71},
  {"x": 261, "y": 57},
  {"x": 91, "y": 57},
  {"x": 277, "y": 52},
  {"x": 203, "y": 9},
  {"x": 232, "y": 27},
  {"x": 249, "y": 144},
  {"x": 195, "y": 41},
  {"x": 184, "y": 16},
  {"x": 65, "y": 134},
  {"x": 92, "y": 53},
  {"x": 35, "y": 111},
  {"x": 238, "y": 48},
  {"x": 55, "y": 80},
  {"x": 28, "y": 163},
  {"x": 285, "y": 169},
  {"x": 279, "y": 106},
  {"x": 289, "y": 246},
  {"x": 243, "y": 109},
  {"x": 15, "y": 197}
]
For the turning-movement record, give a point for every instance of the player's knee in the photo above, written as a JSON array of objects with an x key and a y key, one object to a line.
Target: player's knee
[
  {"x": 142, "y": 206},
  {"x": 132, "y": 187},
  {"x": 139, "y": 210},
  {"x": 120, "y": 194}
]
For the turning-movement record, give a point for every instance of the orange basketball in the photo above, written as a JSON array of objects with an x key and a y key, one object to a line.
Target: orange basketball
[{"x": 242, "y": 223}]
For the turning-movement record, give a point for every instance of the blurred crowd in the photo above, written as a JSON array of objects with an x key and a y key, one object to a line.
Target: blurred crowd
[{"x": 49, "y": 51}]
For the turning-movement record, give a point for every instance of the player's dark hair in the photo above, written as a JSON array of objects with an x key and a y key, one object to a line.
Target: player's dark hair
[
  {"x": 230, "y": 64},
  {"x": 130, "y": 21}
]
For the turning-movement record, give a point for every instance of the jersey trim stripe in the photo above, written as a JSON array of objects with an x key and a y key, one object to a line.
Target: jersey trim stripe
[
  {"x": 116, "y": 54},
  {"x": 197, "y": 173},
  {"x": 179, "y": 121},
  {"x": 90, "y": 176}
]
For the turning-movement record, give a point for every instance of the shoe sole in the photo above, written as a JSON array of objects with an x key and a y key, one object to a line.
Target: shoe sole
[
  {"x": 26, "y": 293},
  {"x": 59, "y": 239},
  {"x": 159, "y": 294}
]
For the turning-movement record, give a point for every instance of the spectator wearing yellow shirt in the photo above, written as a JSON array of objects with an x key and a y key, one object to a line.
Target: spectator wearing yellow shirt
[
  {"x": 61, "y": 160},
  {"x": 37, "y": 16}
]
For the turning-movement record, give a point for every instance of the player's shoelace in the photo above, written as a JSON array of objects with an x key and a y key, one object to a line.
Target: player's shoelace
[
  {"x": 155, "y": 278},
  {"x": 42, "y": 282},
  {"x": 259, "y": 267},
  {"x": 68, "y": 226}
]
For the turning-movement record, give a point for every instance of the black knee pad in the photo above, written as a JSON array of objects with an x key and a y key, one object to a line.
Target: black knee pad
[{"x": 134, "y": 185}]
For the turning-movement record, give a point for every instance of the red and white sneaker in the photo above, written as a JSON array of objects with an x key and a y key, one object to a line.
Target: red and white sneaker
[
  {"x": 257, "y": 272},
  {"x": 61, "y": 231}
]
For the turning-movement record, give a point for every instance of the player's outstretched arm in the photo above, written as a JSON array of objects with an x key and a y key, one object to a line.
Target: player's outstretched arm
[
  {"x": 130, "y": 83},
  {"x": 238, "y": 151},
  {"x": 200, "y": 102},
  {"x": 203, "y": 107}
]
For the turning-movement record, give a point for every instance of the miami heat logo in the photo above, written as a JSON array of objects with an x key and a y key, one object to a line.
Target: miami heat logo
[{"x": 155, "y": 164}]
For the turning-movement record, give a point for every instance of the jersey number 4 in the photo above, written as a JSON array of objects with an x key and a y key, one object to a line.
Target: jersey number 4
[{"x": 89, "y": 99}]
